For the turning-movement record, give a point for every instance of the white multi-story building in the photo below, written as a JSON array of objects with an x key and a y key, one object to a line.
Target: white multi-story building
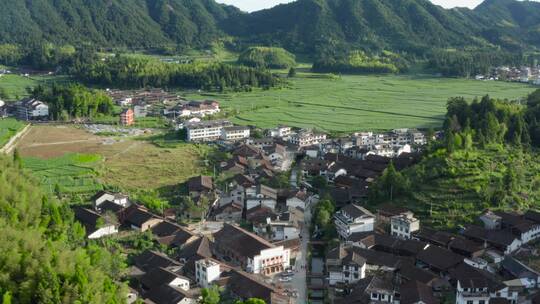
[
  {"x": 403, "y": 225},
  {"x": 280, "y": 131},
  {"x": 206, "y": 272},
  {"x": 31, "y": 108},
  {"x": 351, "y": 219},
  {"x": 200, "y": 108},
  {"x": 235, "y": 133},
  {"x": 306, "y": 138},
  {"x": 206, "y": 130},
  {"x": 251, "y": 252}
]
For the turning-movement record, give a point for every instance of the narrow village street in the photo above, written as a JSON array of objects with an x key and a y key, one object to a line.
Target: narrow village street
[{"x": 299, "y": 282}]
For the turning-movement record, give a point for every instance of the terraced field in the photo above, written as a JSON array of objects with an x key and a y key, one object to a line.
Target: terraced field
[
  {"x": 72, "y": 173},
  {"x": 352, "y": 103}
]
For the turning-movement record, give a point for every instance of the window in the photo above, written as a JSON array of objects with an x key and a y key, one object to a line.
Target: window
[
  {"x": 470, "y": 302},
  {"x": 375, "y": 296},
  {"x": 481, "y": 302}
]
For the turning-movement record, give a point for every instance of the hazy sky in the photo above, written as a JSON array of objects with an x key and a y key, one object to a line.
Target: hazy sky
[{"x": 253, "y": 5}]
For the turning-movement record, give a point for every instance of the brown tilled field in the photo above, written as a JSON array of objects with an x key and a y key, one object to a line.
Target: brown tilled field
[{"x": 132, "y": 164}]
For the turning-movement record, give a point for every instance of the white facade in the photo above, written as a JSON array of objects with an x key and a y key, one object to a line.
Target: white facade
[
  {"x": 482, "y": 295},
  {"x": 206, "y": 130},
  {"x": 530, "y": 235},
  {"x": 277, "y": 257},
  {"x": 307, "y": 138},
  {"x": 206, "y": 272},
  {"x": 104, "y": 231},
  {"x": 280, "y": 131},
  {"x": 348, "y": 274},
  {"x": 119, "y": 199},
  {"x": 347, "y": 224},
  {"x": 402, "y": 226},
  {"x": 180, "y": 282},
  {"x": 235, "y": 133},
  {"x": 29, "y": 109},
  {"x": 284, "y": 231}
]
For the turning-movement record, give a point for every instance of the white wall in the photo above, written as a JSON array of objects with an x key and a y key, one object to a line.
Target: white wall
[{"x": 103, "y": 232}]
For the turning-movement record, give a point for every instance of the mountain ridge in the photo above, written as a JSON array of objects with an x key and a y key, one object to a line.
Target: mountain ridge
[{"x": 301, "y": 26}]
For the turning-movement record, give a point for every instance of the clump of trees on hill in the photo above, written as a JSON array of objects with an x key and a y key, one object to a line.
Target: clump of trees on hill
[
  {"x": 489, "y": 121},
  {"x": 469, "y": 63},
  {"x": 128, "y": 71},
  {"x": 267, "y": 57},
  {"x": 74, "y": 101},
  {"x": 46, "y": 258},
  {"x": 359, "y": 62}
]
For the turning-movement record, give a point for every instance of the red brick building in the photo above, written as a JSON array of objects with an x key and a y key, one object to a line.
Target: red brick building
[{"x": 127, "y": 117}]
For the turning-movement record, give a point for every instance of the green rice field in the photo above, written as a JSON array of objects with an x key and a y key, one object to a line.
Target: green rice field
[
  {"x": 353, "y": 102},
  {"x": 73, "y": 173}
]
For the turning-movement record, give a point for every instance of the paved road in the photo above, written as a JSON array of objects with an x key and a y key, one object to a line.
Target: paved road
[{"x": 299, "y": 282}]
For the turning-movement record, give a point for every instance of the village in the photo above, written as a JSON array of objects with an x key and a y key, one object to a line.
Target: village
[
  {"x": 523, "y": 74},
  {"x": 253, "y": 232}
]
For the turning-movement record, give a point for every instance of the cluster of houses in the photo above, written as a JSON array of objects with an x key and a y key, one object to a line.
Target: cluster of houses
[
  {"x": 232, "y": 257},
  {"x": 386, "y": 257},
  {"x": 523, "y": 74}
]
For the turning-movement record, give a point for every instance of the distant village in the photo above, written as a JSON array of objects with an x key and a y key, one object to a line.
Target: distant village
[
  {"x": 256, "y": 239},
  {"x": 523, "y": 74}
]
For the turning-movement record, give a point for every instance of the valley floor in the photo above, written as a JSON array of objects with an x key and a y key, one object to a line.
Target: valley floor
[{"x": 354, "y": 102}]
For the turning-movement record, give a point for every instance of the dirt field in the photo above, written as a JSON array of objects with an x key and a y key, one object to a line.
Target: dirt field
[{"x": 131, "y": 164}]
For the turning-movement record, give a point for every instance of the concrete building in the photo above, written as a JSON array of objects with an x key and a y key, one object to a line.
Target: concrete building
[
  {"x": 235, "y": 133},
  {"x": 32, "y": 109},
  {"x": 351, "y": 219},
  {"x": 306, "y": 138},
  {"x": 206, "y": 130},
  {"x": 280, "y": 132},
  {"x": 251, "y": 252},
  {"x": 402, "y": 226},
  {"x": 206, "y": 272},
  {"x": 127, "y": 117}
]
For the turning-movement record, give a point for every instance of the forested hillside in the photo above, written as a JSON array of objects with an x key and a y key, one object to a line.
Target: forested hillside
[
  {"x": 43, "y": 255},
  {"x": 489, "y": 158},
  {"x": 136, "y": 23},
  {"x": 414, "y": 26}
]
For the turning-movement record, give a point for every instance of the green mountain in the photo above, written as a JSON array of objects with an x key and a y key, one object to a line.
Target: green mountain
[
  {"x": 303, "y": 26},
  {"x": 401, "y": 25},
  {"x": 511, "y": 23},
  {"x": 136, "y": 23}
]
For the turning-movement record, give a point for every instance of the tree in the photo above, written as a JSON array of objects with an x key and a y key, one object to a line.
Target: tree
[
  {"x": 211, "y": 295},
  {"x": 319, "y": 182},
  {"x": 17, "y": 158},
  {"x": 390, "y": 184},
  {"x": 292, "y": 72}
]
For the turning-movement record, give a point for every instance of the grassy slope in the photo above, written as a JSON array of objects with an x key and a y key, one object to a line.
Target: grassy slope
[
  {"x": 8, "y": 128},
  {"x": 352, "y": 102},
  {"x": 16, "y": 85},
  {"x": 454, "y": 192}
]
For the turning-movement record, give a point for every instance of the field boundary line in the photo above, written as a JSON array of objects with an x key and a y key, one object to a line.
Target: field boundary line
[
  {"x": 8, "y": 147},
  {"x": 365, "y": 110}
]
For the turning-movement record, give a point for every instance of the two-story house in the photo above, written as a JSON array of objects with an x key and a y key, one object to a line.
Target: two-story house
[{"x": 403, "y": 225}]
